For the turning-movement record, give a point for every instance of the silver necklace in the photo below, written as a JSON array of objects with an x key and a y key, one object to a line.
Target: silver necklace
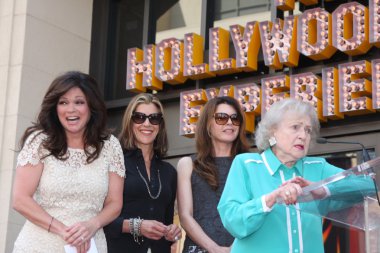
[{"x": 147, "y": 186}]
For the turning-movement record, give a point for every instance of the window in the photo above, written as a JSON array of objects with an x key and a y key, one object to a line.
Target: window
[
  {"x": 184, "y": 14},
  {"x": 117, "y": 26},
  {"x": 235, "y": 8}
]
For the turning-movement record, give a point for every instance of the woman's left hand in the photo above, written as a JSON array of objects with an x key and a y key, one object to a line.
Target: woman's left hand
[
  {"x": 298, "y": 180},
  {"x": 84, "y": 247},
  {"x": 80, "y": 233},
  {"x": 173, "y": 233},
  {"x": 318, "y": 193}
]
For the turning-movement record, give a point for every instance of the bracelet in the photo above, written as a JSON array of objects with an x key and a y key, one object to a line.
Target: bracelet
[
  {"x": 131, "y": 230},
  {"x": 139, "y": 227},
  {"x": 135, "y": 229},
  {"x": 51, "y": 222}
]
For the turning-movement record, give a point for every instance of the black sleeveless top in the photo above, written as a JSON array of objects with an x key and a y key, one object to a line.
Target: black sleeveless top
[{"x": 205, "y": 202}]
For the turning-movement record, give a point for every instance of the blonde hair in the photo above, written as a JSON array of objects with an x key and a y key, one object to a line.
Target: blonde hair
[{"x": 127, "y": 137}]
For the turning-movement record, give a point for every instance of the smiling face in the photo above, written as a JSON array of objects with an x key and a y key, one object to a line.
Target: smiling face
[
  {"x": 145, "y": 133},
  {"x": 223, "y": 133},
  {"x": 73, "y": 112},
  {"x": 293, "y": 137}
]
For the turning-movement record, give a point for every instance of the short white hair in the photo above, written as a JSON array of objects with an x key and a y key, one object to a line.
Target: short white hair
[{"x": 275, "y": 115}]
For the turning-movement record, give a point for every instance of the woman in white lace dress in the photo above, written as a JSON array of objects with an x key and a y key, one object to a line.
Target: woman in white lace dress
[{"x": 69, "y": 176}]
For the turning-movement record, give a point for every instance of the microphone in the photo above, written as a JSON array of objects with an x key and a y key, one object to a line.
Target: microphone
[{"x": 366, "y": 156}]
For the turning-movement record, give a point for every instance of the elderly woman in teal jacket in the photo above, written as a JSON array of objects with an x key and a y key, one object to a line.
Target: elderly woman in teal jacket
[{"x": 256, "y": 181}]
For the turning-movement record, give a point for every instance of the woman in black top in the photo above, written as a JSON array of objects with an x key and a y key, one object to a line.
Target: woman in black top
[
  {"x": 145, "y": 223},
  {"x": 219, "y": 137}
]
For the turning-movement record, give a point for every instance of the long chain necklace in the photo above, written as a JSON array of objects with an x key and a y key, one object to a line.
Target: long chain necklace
[{"x": 147, "y": 186}]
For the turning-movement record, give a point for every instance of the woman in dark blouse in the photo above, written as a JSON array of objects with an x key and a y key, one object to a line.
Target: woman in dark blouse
[
  {"x": 145, "y": 223},
  {"x": 219, "y": 137}
]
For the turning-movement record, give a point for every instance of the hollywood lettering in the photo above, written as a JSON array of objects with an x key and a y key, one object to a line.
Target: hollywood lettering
[
  {"x": 351, "y": 28},
  {"x": 345, "y": 90}
]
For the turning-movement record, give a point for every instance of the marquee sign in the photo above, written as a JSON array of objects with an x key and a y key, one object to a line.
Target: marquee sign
[{"x": 345, "y": 89}]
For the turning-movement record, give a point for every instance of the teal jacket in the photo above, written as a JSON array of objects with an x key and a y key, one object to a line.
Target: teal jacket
[{"x": 281, "y": 229}]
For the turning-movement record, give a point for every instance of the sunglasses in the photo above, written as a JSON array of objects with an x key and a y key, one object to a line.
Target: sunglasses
[
  {"x": 222, "y": 118},
  {"x": 154, "y": 118}
]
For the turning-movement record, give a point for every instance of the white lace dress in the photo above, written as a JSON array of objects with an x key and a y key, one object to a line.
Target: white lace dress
[{"x": 71, "y": 191}]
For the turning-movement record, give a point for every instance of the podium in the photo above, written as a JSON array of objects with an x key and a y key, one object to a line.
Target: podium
[{"x": 349, "y": 198}]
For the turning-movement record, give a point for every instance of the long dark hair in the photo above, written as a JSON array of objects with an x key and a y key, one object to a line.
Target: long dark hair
[
  {"x": 48, "y": 122},
  {"x": 204, "y": 164}
]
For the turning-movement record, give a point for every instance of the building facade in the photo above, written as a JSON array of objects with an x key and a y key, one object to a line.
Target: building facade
[{"x": 41, "y": 39}]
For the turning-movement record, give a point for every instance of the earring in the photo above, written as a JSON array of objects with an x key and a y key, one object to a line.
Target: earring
[{"x": 272, "y": 141}]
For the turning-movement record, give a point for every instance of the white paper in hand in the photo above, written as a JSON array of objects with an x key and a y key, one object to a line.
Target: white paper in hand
[{"x": 71, "y": 249}]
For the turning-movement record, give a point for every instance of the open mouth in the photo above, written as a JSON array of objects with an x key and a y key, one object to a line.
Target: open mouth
[
  {"x": 146, "y": 131},
  {"x": 71, "y": 119}
]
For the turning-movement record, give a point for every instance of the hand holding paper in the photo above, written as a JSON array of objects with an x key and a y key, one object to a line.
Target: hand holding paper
[{"x": 71, "y": 249}]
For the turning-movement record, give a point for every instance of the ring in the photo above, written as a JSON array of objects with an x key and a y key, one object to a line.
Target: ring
[
  {"x": 176, "y": 238},
  {"x": 82, "y": 238},
  {"x": 287, "y": 193}
]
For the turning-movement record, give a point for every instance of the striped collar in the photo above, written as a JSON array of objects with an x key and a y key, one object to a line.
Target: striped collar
[{"x": 273, "y": 164}]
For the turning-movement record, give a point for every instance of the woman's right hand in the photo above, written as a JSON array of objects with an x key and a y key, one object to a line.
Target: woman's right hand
[
  {"x": 289, "y": 192},
  {"x": 80, "y": 232},
  {"x": 152, "y": 229},
  {"x": 57, "y": 227},
  {"x": 62, "y": 231}
]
